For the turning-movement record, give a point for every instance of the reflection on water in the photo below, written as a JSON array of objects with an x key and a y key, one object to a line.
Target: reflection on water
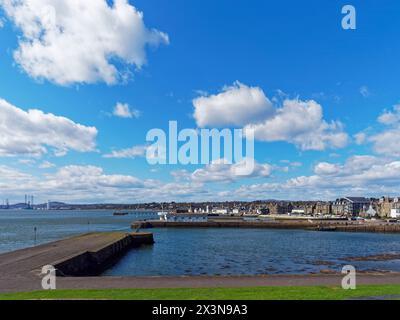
[{"x": 205, "y": 251}]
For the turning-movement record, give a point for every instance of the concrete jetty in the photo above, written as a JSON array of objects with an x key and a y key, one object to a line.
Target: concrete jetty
[{"x": 84, "y": 255}]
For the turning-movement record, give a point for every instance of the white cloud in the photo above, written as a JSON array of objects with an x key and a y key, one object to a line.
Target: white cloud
[
  {"x": 296, "y": 164},
  {"x": 301, "y": 123},
  {"x": 236, "y": 105},
  {"x": 134, "y": 152},
  {"x": 220, "y": 171},
  {"x": 325, "y": 168},
  {"x": 32, "y": 132},
  {"x": 298, "y": 122},
  {"x": 7, "y": 173},
  {"x": 367, "y": 173},
  {"x": 353, "y": 166},
  {"x": 390, "y": 117},
  {"x": 28, "y": 162},
  {"x": 364, "y": 91},
  {"x": 76, "y": 41},
  {"x": 90, "y": 177},
  {"x": 46, "y": 165},
  {"x": 387, "y": 141},
  {"x": 91, "y": 184},
  {"x": 14, "y": 182},
  {"x": 359, "y": 175},
  {"x": 123, "y": 110},
  {"x": 360, "y": 138},
  {"x": 363, "y": 171}
]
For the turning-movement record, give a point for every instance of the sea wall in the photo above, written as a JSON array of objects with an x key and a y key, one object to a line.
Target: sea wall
[
  {"x": 306, "y": 225},
  {"x": 92, "y": 263}
]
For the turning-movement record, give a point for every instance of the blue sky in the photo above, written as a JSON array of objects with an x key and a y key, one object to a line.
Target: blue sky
[{"x": 290, "y": 51}]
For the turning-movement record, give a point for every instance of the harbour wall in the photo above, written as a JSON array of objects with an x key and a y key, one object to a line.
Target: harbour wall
[
  {"x": 339, "y": 226},
  {"x": 92, "y": 263}
]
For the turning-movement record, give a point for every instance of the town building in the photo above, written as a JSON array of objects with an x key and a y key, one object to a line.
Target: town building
[
  {"x": 279, "y": 208},
  {"x": 350, "y": 206},
  {"x": 371, "y": 212},
  {"x": 385, "y": 206},
  {"x": 323, "y": 208},
  {"x": 395, "y": 213}
]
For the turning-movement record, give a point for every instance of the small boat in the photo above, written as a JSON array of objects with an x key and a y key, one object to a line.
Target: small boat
[
  {"x": 120, "y": 213},
  {"x": 326, "y": 229}
]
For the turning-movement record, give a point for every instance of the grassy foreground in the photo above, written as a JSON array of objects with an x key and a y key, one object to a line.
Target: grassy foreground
[{"x": 259, "y": 293}]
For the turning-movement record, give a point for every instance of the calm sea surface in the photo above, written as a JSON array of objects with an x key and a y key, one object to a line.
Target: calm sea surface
[{"x": 205, "y": 251}]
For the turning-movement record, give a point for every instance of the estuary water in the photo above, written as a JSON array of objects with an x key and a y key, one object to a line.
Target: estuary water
[{"x": 206, "y": 251}]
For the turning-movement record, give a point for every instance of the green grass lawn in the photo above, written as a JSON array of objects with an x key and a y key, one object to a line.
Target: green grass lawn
[{"x": 259, "y": 293}]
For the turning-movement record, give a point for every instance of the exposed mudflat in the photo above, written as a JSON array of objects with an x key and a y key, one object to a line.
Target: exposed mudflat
[{"x": 380, "y": 257}]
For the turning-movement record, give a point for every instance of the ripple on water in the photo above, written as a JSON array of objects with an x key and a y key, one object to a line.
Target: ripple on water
[{"x": 246, "y": 251}]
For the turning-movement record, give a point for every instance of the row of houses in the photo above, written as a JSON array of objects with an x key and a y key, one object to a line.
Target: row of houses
[{"x": 384, "y": 207}]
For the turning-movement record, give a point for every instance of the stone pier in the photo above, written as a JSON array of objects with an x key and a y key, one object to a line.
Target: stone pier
[{"x": 84, "y": 255}]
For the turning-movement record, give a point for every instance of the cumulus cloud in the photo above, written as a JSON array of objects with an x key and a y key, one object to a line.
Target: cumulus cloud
[
  {"x": 353, "y": 165},
  {"x": 325, "y": 168},
  {"x": 301, "y": 123},
  {"x": 90, "y": 177},
  {"x": 33, "y": 132},
  {"x": 360, "y": 138},
  {"x": 220, "y": 171},
  {"x": 236, "y": 105},
  {"x": 76, "y": 41},
  {"x": 91, "y": 184},
  {"x": 358, "y": 172},
  {"x": 123, "y": 110},
  {"x": 386, "y": 142},
  {"x": 134, "y": 152},
  {"x": 298, "y": 122},
  {"x": 390, "y": 117},
  {"x": 359, "y": 175}
]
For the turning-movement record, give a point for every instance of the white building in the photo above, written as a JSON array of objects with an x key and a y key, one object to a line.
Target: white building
[
  {"x": 395, "y": 213},
  {"x": 220, "y": 211},
  {"x": 298, "y": 212},
  {"x": 371, "y": 212},
  {"x": 184, "y": 217}
]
